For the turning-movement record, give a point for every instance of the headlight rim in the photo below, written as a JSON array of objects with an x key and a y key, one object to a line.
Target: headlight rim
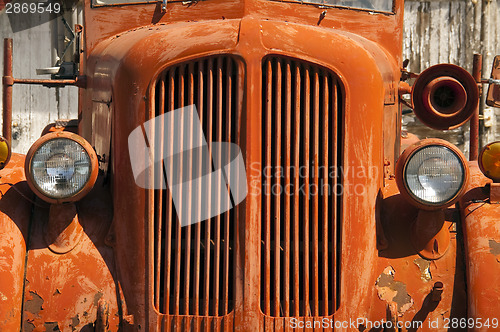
[
  {"x": 403, "y": 162},
  {"x": 64, "y": 135}
]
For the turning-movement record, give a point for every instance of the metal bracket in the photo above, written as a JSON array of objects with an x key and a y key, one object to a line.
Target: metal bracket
[
  {"x": 8, "y": 80},
  {"x": 490, "y": 81},
  {"x": 494, "y": 193},
  {"x": 73, "y": 35}
]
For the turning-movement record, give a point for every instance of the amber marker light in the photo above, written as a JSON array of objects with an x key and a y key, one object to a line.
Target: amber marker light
[
  {"x": 5, "y": 152},
  {"x": 61, "y": 167},
  {"x": 432, "y": 174},
  {"x": 489, "y": 161}
]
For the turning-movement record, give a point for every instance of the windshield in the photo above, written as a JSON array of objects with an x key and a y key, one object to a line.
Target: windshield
[
  {"x": 376, "y": 5},
  {"x": 119, "y": 2}
]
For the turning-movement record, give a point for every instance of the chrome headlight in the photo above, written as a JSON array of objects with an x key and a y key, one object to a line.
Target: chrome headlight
[
  {"x": 61, "y": 167},
  {"x": 432, "y": 173}
]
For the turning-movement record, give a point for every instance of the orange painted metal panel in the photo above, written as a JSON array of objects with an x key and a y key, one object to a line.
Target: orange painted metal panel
[
  {"x": 292, "y": 86},
  {"x": 64, "y": 290},
  {"x": 15, "y": 207}
]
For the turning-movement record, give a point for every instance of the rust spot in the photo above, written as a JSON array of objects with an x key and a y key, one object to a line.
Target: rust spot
[
  {"x": 75, "y": 321},
  {"x": 393, "y": 291},
  {"x": 425, "y": 269},
  {"x": 28, "y": 326},
  {"x": 35, "y": 304},
  {"x": 97, "y": 297},
  {"x": 51, "y": 326},
  {"x": 494, "y": 247},
  {"x": 57, "y": 292}
]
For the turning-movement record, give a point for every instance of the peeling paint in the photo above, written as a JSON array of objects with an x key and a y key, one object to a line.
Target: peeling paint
[
  {"x": 75, "y": 321},
  {"x": 494, "y": 247},
  {"x": 97, "y": 297},
  {"x": 393, "y": 291},
  {"x": 51, "y": 326},
  {"x": 28, "y": 326},
  {"x": 35, "y": 304},
  {"x": 425, "y": 269}
]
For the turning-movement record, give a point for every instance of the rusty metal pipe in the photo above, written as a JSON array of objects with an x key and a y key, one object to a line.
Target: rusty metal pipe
[
  {"x": 474, "y": 122},
  {"x": 8, "y": 82},
  {"x": 80, "y": 82}
]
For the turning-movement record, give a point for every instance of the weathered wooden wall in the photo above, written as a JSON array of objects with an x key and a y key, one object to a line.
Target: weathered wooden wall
[
  {"x": 451, "y": 31},
  {"x": 436, "y": 31},
  {"x": 34, "y": 106}
]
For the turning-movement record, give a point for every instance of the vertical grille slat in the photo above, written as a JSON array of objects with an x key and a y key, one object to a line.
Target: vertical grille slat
[
  {"x": 296, "y": 194},
  {"x": 306, "y": 113},
  {"x": 227, "y": 219},
  {"x": 178, "y": 132},
  {"x": 158, "y": 200},
  {"x": 315, "y": 204},
  {"x": 208, "y": 133},
  {"x": 169, "y": 207},
  {"x": 267, "y": 196},
  {"x": 187, "y": 259},
  {"x": 276, "y": 205},
  {"x": 197, "y": 255},
  {"x": 336, "y": 151},
  {"x": 287, "y": 213},
  {"x": 194, "y": 264},
  {"x": 324, "y": 201},
  {"x": 217, "y": 156},
  {"x": 301, "y": 158}
]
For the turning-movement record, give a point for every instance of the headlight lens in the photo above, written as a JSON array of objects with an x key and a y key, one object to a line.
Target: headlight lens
[
  {"x": 62, "y": 167},
  {"x": 434, "y": 174}
]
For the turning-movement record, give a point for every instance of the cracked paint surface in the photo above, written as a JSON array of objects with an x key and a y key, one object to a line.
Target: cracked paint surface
[
  {"x": 494, "y": 247},
  {"x": 392, "y": 291},
  {"x": 34, "y": 305},
  {"x": 425, "y": 269}
]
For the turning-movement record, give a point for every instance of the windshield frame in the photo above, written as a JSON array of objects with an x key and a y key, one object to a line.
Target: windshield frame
[
  {"x": 94, "y": 4},
  {"x": 330, "y": 6}
]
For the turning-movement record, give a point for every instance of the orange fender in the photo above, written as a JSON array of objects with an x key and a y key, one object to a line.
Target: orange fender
[
  {"x": 71, "y": 282},
  {"x": 482, "y": 249},
  {"x": 15, "y": 211}
]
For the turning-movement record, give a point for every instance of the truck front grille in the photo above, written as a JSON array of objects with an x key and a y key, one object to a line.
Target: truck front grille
[
  {"x": 301, "y": 155},
  {"x": 194, "y": 265}
]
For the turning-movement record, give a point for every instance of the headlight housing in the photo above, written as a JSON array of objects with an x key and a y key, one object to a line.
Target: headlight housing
[
  {"x": 61, "y": 167},
  {"x": 432, "y": 174}
]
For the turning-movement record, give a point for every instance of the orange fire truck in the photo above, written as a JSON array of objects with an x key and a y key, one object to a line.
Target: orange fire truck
[{"x": 347, "y": 222}]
